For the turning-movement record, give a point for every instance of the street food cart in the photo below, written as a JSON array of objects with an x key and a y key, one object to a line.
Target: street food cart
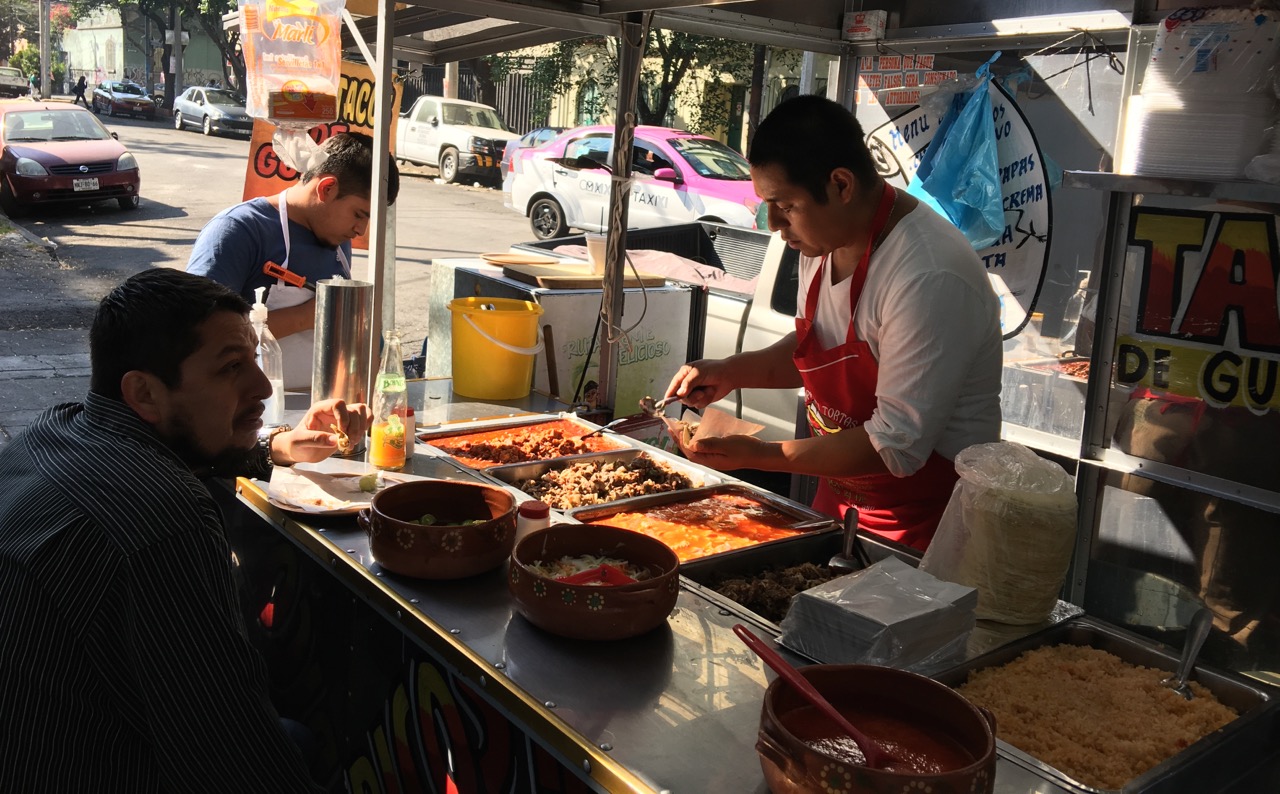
[{"x": 1169, "y": 431}]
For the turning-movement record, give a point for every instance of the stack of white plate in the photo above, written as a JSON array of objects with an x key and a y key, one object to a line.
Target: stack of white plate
[
  {"x": 1206, "y": 103},
  {"x": 1168, "y": 135},
  {"x": 888, "y": 614}
]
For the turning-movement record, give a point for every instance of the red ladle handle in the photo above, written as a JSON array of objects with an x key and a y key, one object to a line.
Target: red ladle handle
[{"x": 876, "y": 757}]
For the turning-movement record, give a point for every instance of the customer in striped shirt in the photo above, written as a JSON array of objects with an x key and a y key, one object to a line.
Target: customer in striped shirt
[{"x": 124, "y": 661}]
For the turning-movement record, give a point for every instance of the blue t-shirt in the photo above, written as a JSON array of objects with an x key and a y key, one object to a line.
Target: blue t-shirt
[{"x": 232, "y": 248}]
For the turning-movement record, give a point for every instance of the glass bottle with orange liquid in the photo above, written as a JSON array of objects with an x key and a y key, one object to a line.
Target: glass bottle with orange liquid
[{"x": 390, "y": 404}]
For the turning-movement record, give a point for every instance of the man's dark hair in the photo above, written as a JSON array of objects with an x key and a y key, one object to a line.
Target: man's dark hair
[
  {"x": 151, "y": 323},
  {"x": 811, "y": 136},
  {"x": 350, "y": 159}
]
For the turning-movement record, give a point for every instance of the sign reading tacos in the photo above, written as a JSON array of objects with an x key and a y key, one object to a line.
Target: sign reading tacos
[{"x": 1205, "y": 323}]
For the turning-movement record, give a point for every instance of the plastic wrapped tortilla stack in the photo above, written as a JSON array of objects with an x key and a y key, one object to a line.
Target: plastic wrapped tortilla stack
[{"x": 888, "y": 614}]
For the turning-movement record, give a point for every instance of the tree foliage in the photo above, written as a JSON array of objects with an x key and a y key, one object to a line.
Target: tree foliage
[{"x": 19, "y": 19}]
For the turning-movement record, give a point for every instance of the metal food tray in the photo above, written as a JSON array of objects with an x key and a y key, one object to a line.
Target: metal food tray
[
  {"x": 1208, "y": 765},
  {"x": 519, "y": 422},
  {"x": 513, "y": 473},
  {"x": 807, "y": 520},
  {"x": 815, "y": 547}
]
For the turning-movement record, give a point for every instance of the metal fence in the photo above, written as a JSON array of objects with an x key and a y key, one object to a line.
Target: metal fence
[{"x": 516, "y": 96}]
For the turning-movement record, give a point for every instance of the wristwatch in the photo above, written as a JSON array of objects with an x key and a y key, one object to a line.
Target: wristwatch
[{"x": 265, "y": 436}]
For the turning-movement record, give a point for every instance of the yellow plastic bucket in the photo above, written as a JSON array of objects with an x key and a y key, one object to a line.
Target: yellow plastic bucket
[{"x": 494, "y": 344}]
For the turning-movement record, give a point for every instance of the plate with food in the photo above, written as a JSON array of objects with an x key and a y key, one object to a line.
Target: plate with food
[{"x": 300, "y": 489}]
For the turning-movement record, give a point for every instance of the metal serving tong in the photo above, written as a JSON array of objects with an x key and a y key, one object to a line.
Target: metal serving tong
[{"x": 1197, "y": 632}]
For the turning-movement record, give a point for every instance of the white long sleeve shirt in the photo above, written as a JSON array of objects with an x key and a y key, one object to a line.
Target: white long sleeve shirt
[{"x": 932, "y": 321}]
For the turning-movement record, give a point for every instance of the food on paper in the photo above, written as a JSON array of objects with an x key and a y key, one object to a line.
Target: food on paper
[
  {"x": 1092, "y": 715},
  {"x": 769, "y": 593},
  {"x": 307, "y": 490},
  {"x": 566, "y": 569},
  {"x": 714, "y": 424},
  {"x": 369, "y": 482},
  {"x": 542, "y": 441},
  {"x": 710, "y": 525},
  {"x": 591, "y": 482}
]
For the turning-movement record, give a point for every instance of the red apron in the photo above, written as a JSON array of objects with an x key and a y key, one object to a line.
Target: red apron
[{"x": 840, "y": 393}]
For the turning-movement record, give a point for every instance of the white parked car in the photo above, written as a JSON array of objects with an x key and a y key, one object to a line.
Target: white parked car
[
  {"x": 679, "y": 177},
  {"x": 12, "y": 83}
]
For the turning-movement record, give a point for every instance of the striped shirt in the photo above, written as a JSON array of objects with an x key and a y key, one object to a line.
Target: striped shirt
[{"x": 125, "y": 664}]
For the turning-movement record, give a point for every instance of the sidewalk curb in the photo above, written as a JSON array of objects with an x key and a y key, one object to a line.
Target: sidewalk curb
[{"x": 44, "y": 242}]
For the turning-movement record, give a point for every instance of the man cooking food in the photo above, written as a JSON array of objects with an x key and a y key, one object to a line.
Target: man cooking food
[
  {"x": 307, "y": 229},
  {"x": 897, "y": 342}
]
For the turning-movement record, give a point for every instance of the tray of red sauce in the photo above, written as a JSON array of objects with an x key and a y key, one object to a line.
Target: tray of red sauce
[
  {"x": 702, "y": 522},
  {"x": 484, "y": 448}
]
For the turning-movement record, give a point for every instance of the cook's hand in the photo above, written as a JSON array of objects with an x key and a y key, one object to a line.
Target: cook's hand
[
  {"x": 729, "y": 452},
  {"x": 314, "y": 440},
  {"x": 700, "y": 383}
]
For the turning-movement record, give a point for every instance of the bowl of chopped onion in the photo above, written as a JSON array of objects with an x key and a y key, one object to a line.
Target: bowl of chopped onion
[
  {"x": 440, "y": 529},
  {"x": 593, "y": 582}
]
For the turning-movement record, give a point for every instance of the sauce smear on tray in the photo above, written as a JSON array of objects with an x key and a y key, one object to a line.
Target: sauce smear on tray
[
  {"x": 720, "y": 522},
  {"x": 524, "y": 444}
]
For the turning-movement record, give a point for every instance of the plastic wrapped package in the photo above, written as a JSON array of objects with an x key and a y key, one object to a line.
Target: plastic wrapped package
[
  {"x": 1165, "y": 134},
  {"x": 1213, "y": 51},
  {"x": 887, "y": 614},
  {"x": 292, "y": 53},
  {"x": 1008, "y": 531}
]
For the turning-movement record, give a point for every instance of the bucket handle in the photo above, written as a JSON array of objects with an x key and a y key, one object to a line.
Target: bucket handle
[{"x": 520, "y": 351}]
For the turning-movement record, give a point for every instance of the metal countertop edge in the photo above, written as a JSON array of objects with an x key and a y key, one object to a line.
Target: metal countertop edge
[{"x": 525, "y": 710}]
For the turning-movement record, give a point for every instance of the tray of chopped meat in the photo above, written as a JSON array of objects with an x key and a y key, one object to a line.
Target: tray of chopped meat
[
  {"x": 1075, "y": 367},
  {"x": 566, "y": 483},
  {"x": 1081, "y": 704},
  {"x": 522, "y": 441},
  {"x": 717, "y": 519}
]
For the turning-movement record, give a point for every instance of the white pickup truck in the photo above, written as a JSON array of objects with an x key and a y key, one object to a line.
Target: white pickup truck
[{"x": 454, "y": 135}]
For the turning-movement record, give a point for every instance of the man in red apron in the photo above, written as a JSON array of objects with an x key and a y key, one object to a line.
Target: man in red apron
[
  {"x": 897, "y": 344},
  {"x": 306, "y": 229}
]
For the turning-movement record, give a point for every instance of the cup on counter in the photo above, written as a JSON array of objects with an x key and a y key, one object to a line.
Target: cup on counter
[{"x": 596, "y": 251}]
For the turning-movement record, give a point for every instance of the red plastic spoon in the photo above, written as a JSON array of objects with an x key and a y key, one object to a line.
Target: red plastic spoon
[{"x": 877, "y": 757}]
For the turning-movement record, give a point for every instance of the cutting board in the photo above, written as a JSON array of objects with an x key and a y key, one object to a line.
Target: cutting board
[{"x": 571, "y": 277}]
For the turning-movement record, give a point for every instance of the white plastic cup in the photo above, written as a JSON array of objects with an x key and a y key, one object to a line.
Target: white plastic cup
[{"x": 596, "y": 251}]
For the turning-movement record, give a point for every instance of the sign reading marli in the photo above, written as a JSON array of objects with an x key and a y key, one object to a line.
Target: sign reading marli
[
  {"x": 267, "y": 175},
  {"x": 1206, "y": 323}
]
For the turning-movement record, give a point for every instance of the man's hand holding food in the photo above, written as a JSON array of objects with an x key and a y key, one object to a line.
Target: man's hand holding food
[{"x": 326, "y": 429}]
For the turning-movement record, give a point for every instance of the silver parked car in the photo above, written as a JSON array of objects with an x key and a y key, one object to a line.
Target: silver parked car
[{"x": 212, "y": 110}]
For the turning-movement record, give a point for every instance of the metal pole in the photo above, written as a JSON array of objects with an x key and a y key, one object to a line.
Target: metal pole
[
  {"x": 146, "y": 54},
  {"x": 450, "y": 80},
  {"x": 381, "y": 241},
  {"x": 46, "y": 81},
  {"x": 177, "y": 51},
  {"x": 631, "y": 44}
]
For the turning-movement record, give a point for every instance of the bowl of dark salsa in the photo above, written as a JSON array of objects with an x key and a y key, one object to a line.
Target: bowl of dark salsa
[{"x": 943, "y": 744}]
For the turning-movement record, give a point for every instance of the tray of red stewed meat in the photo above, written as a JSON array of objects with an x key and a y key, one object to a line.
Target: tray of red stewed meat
[
  {"x": 702, "y": 522},
  {"x": 523, "y": 442}
]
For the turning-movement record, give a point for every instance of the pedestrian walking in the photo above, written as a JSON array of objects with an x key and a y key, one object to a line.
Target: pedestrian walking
[{"x": 80, "y": 87}]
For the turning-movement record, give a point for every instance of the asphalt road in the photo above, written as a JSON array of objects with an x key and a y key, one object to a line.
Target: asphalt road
[{"x": 187, "y": 178}]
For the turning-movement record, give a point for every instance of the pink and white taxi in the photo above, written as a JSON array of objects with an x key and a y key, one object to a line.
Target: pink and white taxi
[{"x": 679, "y": 177}]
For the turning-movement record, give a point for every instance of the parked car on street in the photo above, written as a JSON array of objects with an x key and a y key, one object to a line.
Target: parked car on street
[
  {"x": 123, "y": 97},
  {"x": 13, "y": 83},
  {"x": 679, "y": 178},
  {"x": 529, "y": 140},
  {"x": 454, "y": 135},
  {"x": 53, "y": 152},
  {"x": 211, "y": 110}
]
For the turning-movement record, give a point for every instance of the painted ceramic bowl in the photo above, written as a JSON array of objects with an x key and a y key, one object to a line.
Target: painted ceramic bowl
[
  {"x": 472, "y": 528},
  {"x": 593, "y": 611},
  {"x": 922, "y": 717}
]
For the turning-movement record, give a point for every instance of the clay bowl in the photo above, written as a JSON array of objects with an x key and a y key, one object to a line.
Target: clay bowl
[
  {"x": 793, "y": 767},
  {"x": 445, "y": 549},
  {"x": 592, "y": 612}
]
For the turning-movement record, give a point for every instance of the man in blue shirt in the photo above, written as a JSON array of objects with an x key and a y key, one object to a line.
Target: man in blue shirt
[{"x": 307, "y": 229}]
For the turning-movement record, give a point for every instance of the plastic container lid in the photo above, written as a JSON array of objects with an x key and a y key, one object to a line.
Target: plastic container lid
[{"x": 535, "y": 509}]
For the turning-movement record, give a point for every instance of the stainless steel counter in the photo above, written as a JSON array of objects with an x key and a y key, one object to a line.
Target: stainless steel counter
[{"x": 675, "y": 710}]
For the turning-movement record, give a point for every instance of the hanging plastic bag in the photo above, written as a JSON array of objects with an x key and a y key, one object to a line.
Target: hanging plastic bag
[
  {"x": 959, "y": 175},
  {"x": 1008, "y": 531},
  {"x": 292, "y": 53}
]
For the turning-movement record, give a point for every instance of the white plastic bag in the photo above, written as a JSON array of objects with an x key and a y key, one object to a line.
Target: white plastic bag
[{"x": 1008, "y": 531}]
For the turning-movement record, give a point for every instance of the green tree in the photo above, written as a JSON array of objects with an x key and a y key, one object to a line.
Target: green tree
[
  {"x": 19, "y": 19},
  {"x": 202, "y": 15}
]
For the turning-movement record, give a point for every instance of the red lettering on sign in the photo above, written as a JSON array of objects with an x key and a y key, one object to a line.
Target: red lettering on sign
[
  {"x": 1166, "y": 236},
  {"x": 1238, "y": 277}
]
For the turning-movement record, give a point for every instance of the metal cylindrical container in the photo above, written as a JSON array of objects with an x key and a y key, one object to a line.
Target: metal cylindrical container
[{"x": 340, "y": 363}]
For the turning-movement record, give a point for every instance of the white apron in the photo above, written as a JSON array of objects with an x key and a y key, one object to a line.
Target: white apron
[{"x": 297, "y": 349}]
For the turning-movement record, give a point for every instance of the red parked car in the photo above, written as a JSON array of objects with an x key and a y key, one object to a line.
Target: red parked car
[{"x": 55, "y": 152}]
